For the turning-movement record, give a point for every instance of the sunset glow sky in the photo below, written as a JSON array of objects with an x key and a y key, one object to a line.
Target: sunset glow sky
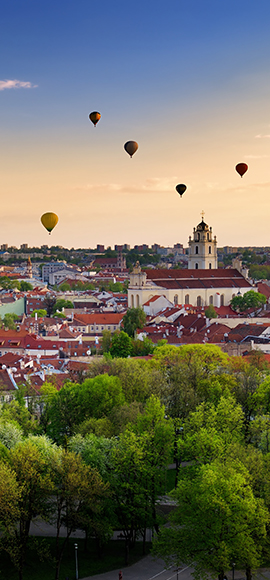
[{"x": 189, "y": 80}]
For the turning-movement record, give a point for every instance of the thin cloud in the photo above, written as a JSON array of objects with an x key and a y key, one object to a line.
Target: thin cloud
[
  {"x": 262, "y": 136},
  {"x": 257, "y": 156},
  {"x": 15, "y": 84},
  {"x": 153, "y": 184}
]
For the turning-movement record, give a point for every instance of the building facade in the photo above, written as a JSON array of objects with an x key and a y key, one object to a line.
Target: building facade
[{"x": 202, "y": 248}]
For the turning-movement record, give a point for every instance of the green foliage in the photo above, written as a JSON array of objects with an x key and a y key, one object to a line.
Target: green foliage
[
  {"x": 41, "y": 313},
  {"x": 217, "y": 521},
  {"x": 143, "y": 347},
  {"x": 62, "y": 303},
  {"x": 115, "y": 287},
  {"x": 9, "y": 321},
  {"x": 251, "y": 299},
  {"x": 25, "y": 286},
  {"x": 121, "y": 345},
  {"x": 133, "y": 319},
  {"x": 210, "y": 312},
  {"x": 106, "y": 341}
]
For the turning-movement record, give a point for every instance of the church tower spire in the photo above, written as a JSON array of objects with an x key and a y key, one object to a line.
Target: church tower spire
[
  {"x": 202, "y": 248},
  {"x": 29, "y": 268}
]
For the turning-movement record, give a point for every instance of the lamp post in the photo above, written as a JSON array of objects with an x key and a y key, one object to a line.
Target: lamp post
[{"x": 76, "y": 561}]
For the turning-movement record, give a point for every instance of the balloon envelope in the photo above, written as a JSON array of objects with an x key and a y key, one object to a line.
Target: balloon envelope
[
  {"x": 49, "y": 220},
  {"x": 241, "y": 168},
  {"x": 131, "y": 147},
  {"x": 180, "y": 188},
  {"x": 94, "y": 117}
]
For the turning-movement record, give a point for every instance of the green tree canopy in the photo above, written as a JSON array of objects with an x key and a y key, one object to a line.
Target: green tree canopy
[{"x": 133, "y": 319}]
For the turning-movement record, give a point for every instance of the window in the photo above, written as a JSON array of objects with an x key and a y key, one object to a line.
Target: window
[
  {"x": 187, "y": 299},
  {"x": 132, "y": 301},
  {"x": 210, "y": 266},
  {"x": 211, "y": 300},
  {"x": 199, "y": 301},
  {"x": 209, "y": 250},
  {"x": 196, "y": 266},
  {"x": 222, "y": 300},
  {"x": 196, "y": 250},
  {"x": 175, "y": 299}
]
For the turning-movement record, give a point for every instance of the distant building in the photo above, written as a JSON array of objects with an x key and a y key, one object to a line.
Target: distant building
[{"x": 202, "y": 248}]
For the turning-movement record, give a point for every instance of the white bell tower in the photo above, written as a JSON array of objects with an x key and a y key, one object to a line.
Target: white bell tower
[{"x": 203, "y": 248}]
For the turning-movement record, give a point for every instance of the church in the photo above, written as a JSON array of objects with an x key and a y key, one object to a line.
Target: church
[{"x": 202, "y": 284}]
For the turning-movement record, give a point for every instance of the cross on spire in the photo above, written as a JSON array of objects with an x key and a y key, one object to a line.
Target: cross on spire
[{"x": 202, "y": 214}]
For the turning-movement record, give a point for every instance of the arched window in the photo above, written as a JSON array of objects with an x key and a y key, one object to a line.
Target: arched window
[
  {"x": 196, "y": 266},
  {"x": 187, "y": 299},
  {"x": 175, "y": 299},
  {"x": 138, "y": 301},
  {"x": 198, "y": 237},
  {"x": 211, "y": 300},
  {"x": 210, "y": 266},
  {"x": 208, "y": 237},
  {"x": 132, "y": 301},
  {"x": 196, "y": 250},
  {"x": 199, "y": 301},
  {"x": 222, "y": 300},
  {"x": 209, "y": 250}
]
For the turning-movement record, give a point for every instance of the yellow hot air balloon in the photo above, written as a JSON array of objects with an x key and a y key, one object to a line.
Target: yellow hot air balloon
[
  {"x": 94, "y": 117},
  {"x": 131, "y": 147},
  {"x": 49, "y": 220}
]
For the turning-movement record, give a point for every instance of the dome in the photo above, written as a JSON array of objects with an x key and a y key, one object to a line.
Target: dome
[{"x": 202, "y": 227}]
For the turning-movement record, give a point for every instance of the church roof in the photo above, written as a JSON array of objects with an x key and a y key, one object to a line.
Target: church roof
[
  {"x": 188, "y": 279},
  {"x": 202, "y": 226}
]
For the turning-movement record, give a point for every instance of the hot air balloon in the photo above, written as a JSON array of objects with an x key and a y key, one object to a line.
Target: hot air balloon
[
  {"x": 131, "y": 147},
  {"x": 49, "y": 220},
  {"x": 241, "y": 168},
  {"x": 181, "y": 188},
  {"x": 94, "y": 117}
]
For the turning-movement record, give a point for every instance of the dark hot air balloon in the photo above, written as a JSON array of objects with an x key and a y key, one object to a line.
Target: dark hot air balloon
[
  {"x": 131, "y": 147},
  {"x": 49, "y": 220},
  {"x": 180, "y": 188},
  {"x": 94, "y": 117},
  {"x": 241, "y": 168}
]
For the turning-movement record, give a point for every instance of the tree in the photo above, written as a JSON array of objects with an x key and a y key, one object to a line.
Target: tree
[
  {"x": 217, "y": 521},
  {"x": 49, "y": 303},
  {"x": 133, "y": 319},
  {"x": 62, "y": 303},
  {"x": 251, "y": 299},
  {"x": 9, "y": 320},
  {"x": 106, "y": 341},
  {"x": 41, "y": 313},
  {"x": 25, "y": 286},
  {"x": 9, "y": 501},
  {"x": 77, "y": 497},
  {"x": 210, "y": 312},
  {"x": 143, "y": 347},
  {"x": 30, "y": 460},
  {"x": 121, "y": 345}
]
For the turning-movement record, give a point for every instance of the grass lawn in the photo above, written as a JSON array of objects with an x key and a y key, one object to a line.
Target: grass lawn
[{"x": 88, "y": 564}]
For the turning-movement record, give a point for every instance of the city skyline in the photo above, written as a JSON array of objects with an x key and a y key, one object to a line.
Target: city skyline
[{"x": 190, "y": 84}]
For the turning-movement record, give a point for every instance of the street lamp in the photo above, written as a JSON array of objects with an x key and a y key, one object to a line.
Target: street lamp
[
  {"x": 76, "y": 561},
  {"x": 233, "y": 566}
]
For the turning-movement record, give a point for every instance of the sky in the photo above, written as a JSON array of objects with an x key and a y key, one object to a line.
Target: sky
[{"x": 189, "y": 80}]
